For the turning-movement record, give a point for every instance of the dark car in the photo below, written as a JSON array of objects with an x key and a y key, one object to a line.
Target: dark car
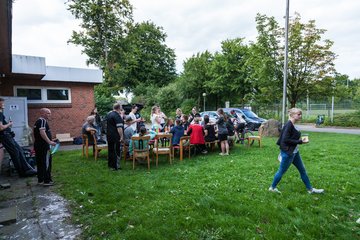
[{"x": 252, "y": 120}]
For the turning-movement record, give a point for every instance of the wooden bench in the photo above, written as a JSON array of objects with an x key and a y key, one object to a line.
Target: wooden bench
[{"x": 64, "y": 137}]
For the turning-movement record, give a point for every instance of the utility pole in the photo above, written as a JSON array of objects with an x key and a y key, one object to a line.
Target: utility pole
[{"x": 285, "y": 63}]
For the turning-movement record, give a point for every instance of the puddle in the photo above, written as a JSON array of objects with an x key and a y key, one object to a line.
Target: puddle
[{"x": 43, "y": 216}]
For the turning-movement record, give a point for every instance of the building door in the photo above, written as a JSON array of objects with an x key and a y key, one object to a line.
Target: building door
[{"x": 16, "y": 110}]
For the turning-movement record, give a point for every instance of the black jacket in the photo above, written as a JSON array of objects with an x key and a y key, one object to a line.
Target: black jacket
[{"x": 289, "y": 138}]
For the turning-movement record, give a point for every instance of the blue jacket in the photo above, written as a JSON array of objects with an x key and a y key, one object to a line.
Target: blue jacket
[{"x": 178, "y": 132}]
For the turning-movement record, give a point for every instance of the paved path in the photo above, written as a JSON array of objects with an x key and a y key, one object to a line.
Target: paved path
[
  {"x": 312, "y": 128},
  {"x": 41, "y": 213}
]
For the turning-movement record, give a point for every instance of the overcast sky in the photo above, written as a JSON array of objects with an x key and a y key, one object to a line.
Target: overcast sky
[{"x": 42, "y": 28}]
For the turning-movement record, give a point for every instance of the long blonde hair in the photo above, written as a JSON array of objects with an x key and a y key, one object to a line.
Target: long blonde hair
[{"x": 153, "y": 110}]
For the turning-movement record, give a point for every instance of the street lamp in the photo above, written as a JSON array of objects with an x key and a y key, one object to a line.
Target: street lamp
[{"x": 204, "y": 95}]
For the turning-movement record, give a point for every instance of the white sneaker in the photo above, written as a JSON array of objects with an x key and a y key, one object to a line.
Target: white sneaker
[
  {"x": 315, "y": 191},
  {"x": 275, "y": 190},
  {"x": 221, "y": 154}
]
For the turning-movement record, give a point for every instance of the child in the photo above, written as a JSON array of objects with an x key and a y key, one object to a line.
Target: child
[{"x": 177, "y": 132}]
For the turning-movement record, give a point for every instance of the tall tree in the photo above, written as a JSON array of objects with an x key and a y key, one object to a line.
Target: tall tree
[
  {"x": 104, "y": 26},
  {"x": 265, "y": 62},
  {"x": 229, "y": 73},
  {"x": 149, "y": 60},
  {"x": 310, "y": 58},
  {"x": 194, "y": 76}
]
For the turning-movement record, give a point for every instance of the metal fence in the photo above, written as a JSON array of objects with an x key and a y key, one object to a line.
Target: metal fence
[{"x": 310, "y": 111}]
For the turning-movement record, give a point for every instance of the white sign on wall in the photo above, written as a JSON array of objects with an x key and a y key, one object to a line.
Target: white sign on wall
[{"x": 14, "y": 107}]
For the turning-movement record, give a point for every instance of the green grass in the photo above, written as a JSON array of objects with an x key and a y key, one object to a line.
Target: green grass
[{"x": 218, "y": 197}]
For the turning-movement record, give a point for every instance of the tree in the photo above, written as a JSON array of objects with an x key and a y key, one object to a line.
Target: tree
[
  {"x": 104, "y": 27},
  {"x": 194, "y": 76},
  {"x": 229, "y": 73},
  {"x": 148, "y": 61},
  {"x": 310, "y": 58},
  {"x": 265, "y": 62},
  {"x": 105, "y": 24}
]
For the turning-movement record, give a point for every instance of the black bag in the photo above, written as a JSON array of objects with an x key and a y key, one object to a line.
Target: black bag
[{"x": 77, "y": 140}]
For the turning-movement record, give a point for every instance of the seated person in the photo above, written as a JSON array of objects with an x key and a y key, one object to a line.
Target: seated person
[
  {"x": 157, "y": 127},
  {"x": 177, "y": 132},
  {"x": 185, "y": 122},
  {"x": 141, "y": 133},
  {"x": 8, "y": 142},
  {"x": 169, "y": 125},
  {"x": 197, "y": 133},
  {"x": 210, "y": 135},
  {"x": 128, "y": 132},
  {"x": 89, "y": 126}
]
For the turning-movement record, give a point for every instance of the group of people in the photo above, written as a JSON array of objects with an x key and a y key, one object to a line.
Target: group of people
[
  {"x": 200, "y": 130},
  {"x": 43, "y": 141},
  {"x": 121, "y": 128}
]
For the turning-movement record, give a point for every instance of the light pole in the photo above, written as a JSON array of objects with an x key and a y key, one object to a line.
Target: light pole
[
  {"x": 285, "y": 62},
  {"x": 204, "y": 95}
]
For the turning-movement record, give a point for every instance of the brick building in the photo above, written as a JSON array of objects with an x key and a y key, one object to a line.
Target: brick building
[{"x": 68, "y": 92}]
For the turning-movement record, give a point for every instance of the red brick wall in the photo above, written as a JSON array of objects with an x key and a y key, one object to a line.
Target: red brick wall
[{"x": 65, "y": 118}]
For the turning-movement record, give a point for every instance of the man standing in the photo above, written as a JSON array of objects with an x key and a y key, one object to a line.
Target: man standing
[
  {"x": 115, "y": 136},
  {"x": 12, "y": 147},
  {"x": 42, "y": 135},
  {"x": 133, "y": 117}
]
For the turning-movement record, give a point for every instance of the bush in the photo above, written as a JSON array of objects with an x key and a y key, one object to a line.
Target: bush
[
  {"x": 345, "y": 120},
  {"x": 187, "y": 105}
]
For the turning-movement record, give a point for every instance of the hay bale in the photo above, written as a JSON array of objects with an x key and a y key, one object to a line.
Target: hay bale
[{"x": 271, "y": 128}]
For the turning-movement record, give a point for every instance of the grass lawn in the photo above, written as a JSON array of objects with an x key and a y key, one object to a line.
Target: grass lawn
[{"x": 218, "y": 197}]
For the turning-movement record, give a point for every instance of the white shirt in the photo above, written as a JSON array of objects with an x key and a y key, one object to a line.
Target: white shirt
[{"x": 133, "y": 117}]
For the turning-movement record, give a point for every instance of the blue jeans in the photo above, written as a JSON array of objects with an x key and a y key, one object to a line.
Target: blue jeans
[{"x": 286, "y": 161}]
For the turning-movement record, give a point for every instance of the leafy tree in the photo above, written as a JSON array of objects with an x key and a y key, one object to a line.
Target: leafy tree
[
  {"x": 104, "y": 25},
  {"x": 354, "y": 87},
  {"x": 103, "y": 100},
  {"x": 194, "y": 77},
  {"x": 265, "y": 62},
  {"x": 229, "y": 73},
  {"x": 310, "y": 59},
  {"x": 149, "y": 60},
  {"x": 169, "y": 98}
]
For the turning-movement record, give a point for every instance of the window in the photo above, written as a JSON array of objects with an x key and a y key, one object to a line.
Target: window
[
  {"x": 31, "y": 94},
  {"x": 57, "y": 94},
  {"x": 43, "y": 94}
]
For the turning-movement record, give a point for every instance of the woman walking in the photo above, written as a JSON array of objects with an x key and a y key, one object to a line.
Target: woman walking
[{"x": 288, "y": 141}]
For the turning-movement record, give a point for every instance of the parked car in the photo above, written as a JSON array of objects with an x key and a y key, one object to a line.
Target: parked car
[
  {"x": 253, "y": 121},
  {"x": 213, "y": 116}
]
